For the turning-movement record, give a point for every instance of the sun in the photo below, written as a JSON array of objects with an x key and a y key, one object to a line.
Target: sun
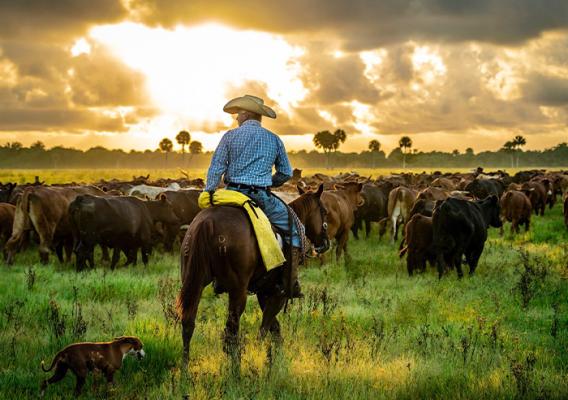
[{"x": 190, "y": 69}]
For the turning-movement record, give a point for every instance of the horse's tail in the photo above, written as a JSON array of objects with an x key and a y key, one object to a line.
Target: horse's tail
[{"x": 195, "y": 261}]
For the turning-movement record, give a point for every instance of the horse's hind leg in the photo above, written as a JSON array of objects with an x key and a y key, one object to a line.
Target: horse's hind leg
[
  {"x": 237, "y": 303},
  {"x": 188, "y": 319},
  {"x": 270, "y": 306}
]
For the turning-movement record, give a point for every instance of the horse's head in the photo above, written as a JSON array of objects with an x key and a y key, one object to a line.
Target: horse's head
[{"x": 313, "y": 215}]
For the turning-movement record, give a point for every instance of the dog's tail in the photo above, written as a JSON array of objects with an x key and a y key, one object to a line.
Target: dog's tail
[{"x": 55, "y": 360}]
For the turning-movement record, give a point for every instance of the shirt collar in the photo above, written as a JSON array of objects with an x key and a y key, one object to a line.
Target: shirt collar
[{"x": 251, "y": 122}]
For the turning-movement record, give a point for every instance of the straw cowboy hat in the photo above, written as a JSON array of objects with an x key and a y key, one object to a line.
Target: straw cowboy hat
[{"x": 249, "y": 103}]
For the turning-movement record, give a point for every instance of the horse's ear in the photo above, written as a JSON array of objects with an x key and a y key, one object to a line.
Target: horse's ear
[
  {"x": 300, "y": 190},
  {"x": 320, "y": 190}
]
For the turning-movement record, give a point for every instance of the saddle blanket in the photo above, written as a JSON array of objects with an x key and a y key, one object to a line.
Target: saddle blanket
[{"x": 270, "y": 249}]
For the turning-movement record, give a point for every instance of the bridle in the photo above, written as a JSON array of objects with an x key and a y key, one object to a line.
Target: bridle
[{"x": 323, "y": 248}]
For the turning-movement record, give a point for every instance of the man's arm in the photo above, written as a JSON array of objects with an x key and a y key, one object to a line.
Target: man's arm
[
  {"x": 218, "y": 165},
  {"x": 283, "y": 167}
]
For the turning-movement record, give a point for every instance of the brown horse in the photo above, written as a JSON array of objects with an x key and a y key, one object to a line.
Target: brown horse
[{"x": 220, "y": 246}]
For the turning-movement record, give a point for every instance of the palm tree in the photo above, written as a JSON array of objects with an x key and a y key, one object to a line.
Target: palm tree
[
  {"x": 374, "y": 148},
  {"x": 195, "y": 147},
  {"x": 404, "y": 143},
  {"x": 166, "y": 146},
  {"x": 340, "y": 137},
  {"x": 509, "y": 147},
  {"x": 519, "y": 142},
  {"x": 183, "y": 138},
  {"x": 324, "y": 140}
]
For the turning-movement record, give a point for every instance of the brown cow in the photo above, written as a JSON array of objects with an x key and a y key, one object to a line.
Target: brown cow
[
  {"x": 341, "y": 205},
  {"x": 400, "y": 203},
  {"x": 418, "y": 237},
  {"x": 516, "y": 208},
  {"x": 45, "y": 210},
  {"x": 433, "y": 193},
  {"x": 444, "y": 183},
  {"x": 7, "y": 212},
  {"x": 536, "y": 193}
]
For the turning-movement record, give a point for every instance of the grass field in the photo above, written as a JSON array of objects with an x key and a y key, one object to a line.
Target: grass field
[{"x": 364, "y": 330}]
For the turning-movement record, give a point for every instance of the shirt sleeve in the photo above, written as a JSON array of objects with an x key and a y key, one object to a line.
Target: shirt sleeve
[
  {"x": 283, "y": 167},
  {"x": 218, "y": 165}
]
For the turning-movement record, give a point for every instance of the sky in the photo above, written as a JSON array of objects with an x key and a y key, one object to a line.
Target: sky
[{"x": 450, "y": 74}]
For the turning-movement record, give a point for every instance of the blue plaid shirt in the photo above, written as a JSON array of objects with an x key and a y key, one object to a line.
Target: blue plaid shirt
[{"x": 246, "y": 155}]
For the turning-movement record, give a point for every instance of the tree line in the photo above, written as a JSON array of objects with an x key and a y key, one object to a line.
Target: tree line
[{"x": 15, "y": 155}]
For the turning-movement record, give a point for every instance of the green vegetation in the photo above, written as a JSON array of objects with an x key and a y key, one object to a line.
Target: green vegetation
[{"x": 365, "y": 330}]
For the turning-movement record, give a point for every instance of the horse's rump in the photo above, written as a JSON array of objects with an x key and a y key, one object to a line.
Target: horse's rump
[{"x": 219, "y": 244}]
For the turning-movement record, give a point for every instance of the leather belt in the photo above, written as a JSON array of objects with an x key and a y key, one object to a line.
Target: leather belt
[{"x": 247, "y": 187}]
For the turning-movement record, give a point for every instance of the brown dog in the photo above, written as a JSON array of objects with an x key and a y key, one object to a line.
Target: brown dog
[{"x": 81, "y": 358}]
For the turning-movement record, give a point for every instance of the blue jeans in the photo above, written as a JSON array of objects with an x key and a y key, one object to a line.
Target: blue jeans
[{"x": 275, "y": 210}]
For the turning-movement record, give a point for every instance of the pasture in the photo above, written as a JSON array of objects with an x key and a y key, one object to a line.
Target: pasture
[{"x": 363, "y": 330}]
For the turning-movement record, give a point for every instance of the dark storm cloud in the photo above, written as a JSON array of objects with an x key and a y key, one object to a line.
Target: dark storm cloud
[
  {"x": 50, "y": 19},
  {"x": 371, "y": 23},
  {"x": 546, "y": 90}
]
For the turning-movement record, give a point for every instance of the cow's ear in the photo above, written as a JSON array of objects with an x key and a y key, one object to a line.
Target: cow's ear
[
  {"x": 320, "y": 190},
  {"x": 359, "y": 187},
  {"x": 162, "y": 197},
  {"x": 300, "y": 190}
]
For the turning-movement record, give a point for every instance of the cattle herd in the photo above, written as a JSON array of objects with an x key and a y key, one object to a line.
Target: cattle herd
[{"x": 443, "y": 218}]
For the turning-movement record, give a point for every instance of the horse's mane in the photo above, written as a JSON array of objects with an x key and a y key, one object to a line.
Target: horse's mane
[{"x": 302, "y": 206}]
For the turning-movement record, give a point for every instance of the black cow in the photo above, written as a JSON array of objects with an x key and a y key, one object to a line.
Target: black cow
[
  {"x": 6, "y": 191},
  {"x": 373, "y": 209},
  {"x": 460, "y": 227},
  {"x": 123, "y": 223},
  {"x": 482, "y": 188},
  {"x": 422, "y": 206}
]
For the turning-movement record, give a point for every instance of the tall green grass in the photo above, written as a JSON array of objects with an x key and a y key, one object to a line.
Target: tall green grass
[{"x": 364, "y": 330}]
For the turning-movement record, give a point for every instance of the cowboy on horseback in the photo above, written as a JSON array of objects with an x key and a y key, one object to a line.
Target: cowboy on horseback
[{"x": 245, "y": 157}]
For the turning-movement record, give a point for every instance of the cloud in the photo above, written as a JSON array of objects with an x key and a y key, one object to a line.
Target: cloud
[
  {"x": 546, "y": 90},
  {"x": 68, "y": 93},
  {"x": 453, "y": 66},
  {"x": 55, "y": 19},
  {"x": 334, "y": 79},
  {"x": 366, "y": 24},
  {"x": 47, "y": 119},
  {"x": 99, "y": 79}
]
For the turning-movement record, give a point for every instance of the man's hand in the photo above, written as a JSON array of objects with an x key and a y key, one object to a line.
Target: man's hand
[{"x": 278, "y": 179}]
